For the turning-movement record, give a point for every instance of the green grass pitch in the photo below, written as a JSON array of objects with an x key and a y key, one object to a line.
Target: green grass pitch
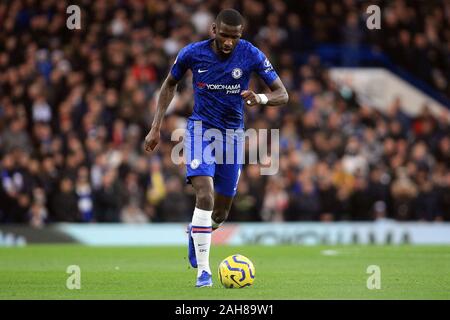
[{"x": 282, "y": 272}]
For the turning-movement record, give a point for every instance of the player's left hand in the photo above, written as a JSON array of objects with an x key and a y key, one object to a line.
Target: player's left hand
[{"x": 250, "y": 98}]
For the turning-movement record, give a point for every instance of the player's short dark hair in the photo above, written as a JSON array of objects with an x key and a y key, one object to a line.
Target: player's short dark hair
[{"x": 230, "y": 17}]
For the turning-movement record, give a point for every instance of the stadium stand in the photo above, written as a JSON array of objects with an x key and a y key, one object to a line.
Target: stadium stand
[{"x": 75, "y": 106}]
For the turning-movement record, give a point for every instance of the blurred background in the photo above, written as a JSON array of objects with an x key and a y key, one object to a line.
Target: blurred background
[{"x": 75, "y": 106}]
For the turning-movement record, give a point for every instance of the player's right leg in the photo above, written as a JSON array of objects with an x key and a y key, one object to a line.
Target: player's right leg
[
  {"x": 200, "y": 229},
  {"x": 199, "y": 172}
]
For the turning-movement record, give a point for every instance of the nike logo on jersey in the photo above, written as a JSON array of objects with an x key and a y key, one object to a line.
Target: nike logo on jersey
[{"x": 201, "y": 71}]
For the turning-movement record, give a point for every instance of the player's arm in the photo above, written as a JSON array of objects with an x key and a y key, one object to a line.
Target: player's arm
[
  {"x": 179, "y": 67},
  {"x": 276, "y": 97},
  {"x": 165, "y": 97}
]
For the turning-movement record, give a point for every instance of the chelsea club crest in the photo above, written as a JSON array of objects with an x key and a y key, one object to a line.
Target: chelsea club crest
[{"x": 236, "y": 73}]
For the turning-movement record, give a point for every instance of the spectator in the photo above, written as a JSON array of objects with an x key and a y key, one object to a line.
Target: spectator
[
  {"x": 107, "y": 199},
  {"x": 132, "y": 213},
  {"x": 15, "y": 136},
  {"x": 14, "y": 193},
  {"x": 84, "y": 194},
  {"x": 306, "y": 205},
  {"x": 174, "y": 206},
  {"x": 327, "y": 198},
  {"x": 404, "y": 191},
  {"x": 244, "y": 204},
  {"x": 360, "y": 200},
  {"x": 38, "y": 214},
  {"x": 444, "y": 199},
  {"x": 275, "y": 201},
  {"x": 64, "y": 206},
  {"x": 427, "y": 198}
]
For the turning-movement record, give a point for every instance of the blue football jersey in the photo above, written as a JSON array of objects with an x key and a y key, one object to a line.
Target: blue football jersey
[{"x": 218, "y": 83}]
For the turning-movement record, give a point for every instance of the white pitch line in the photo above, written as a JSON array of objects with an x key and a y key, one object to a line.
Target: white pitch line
[{"x": 329, "y": 252}]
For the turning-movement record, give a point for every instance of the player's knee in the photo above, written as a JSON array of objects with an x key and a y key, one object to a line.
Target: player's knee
[
  {"x": 205, "y": 199},
  {"x": 219, "y": 215}
]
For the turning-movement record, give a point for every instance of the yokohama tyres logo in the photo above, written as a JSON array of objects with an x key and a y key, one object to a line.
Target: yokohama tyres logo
[{"x": 229, "y": 88}]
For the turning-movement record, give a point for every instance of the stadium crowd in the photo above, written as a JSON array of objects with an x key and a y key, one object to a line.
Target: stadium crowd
[{"x": 75, "y": 106}]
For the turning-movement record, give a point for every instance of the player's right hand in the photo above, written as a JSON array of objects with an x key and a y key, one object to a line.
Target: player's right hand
[{"x": 152, "y": 139}]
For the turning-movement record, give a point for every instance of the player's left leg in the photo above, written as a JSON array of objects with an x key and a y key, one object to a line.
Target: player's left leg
[
  {"x": 226, "y": 179},
  {"x": 225, "y": 185},
  {"x": 222, "y": 206}
]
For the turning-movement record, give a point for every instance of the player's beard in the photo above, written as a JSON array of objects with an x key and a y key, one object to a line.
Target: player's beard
[{"x": 220, "y": 49}]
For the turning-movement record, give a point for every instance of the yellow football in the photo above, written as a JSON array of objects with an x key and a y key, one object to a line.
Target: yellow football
[{"x": 236, "y": 271}]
